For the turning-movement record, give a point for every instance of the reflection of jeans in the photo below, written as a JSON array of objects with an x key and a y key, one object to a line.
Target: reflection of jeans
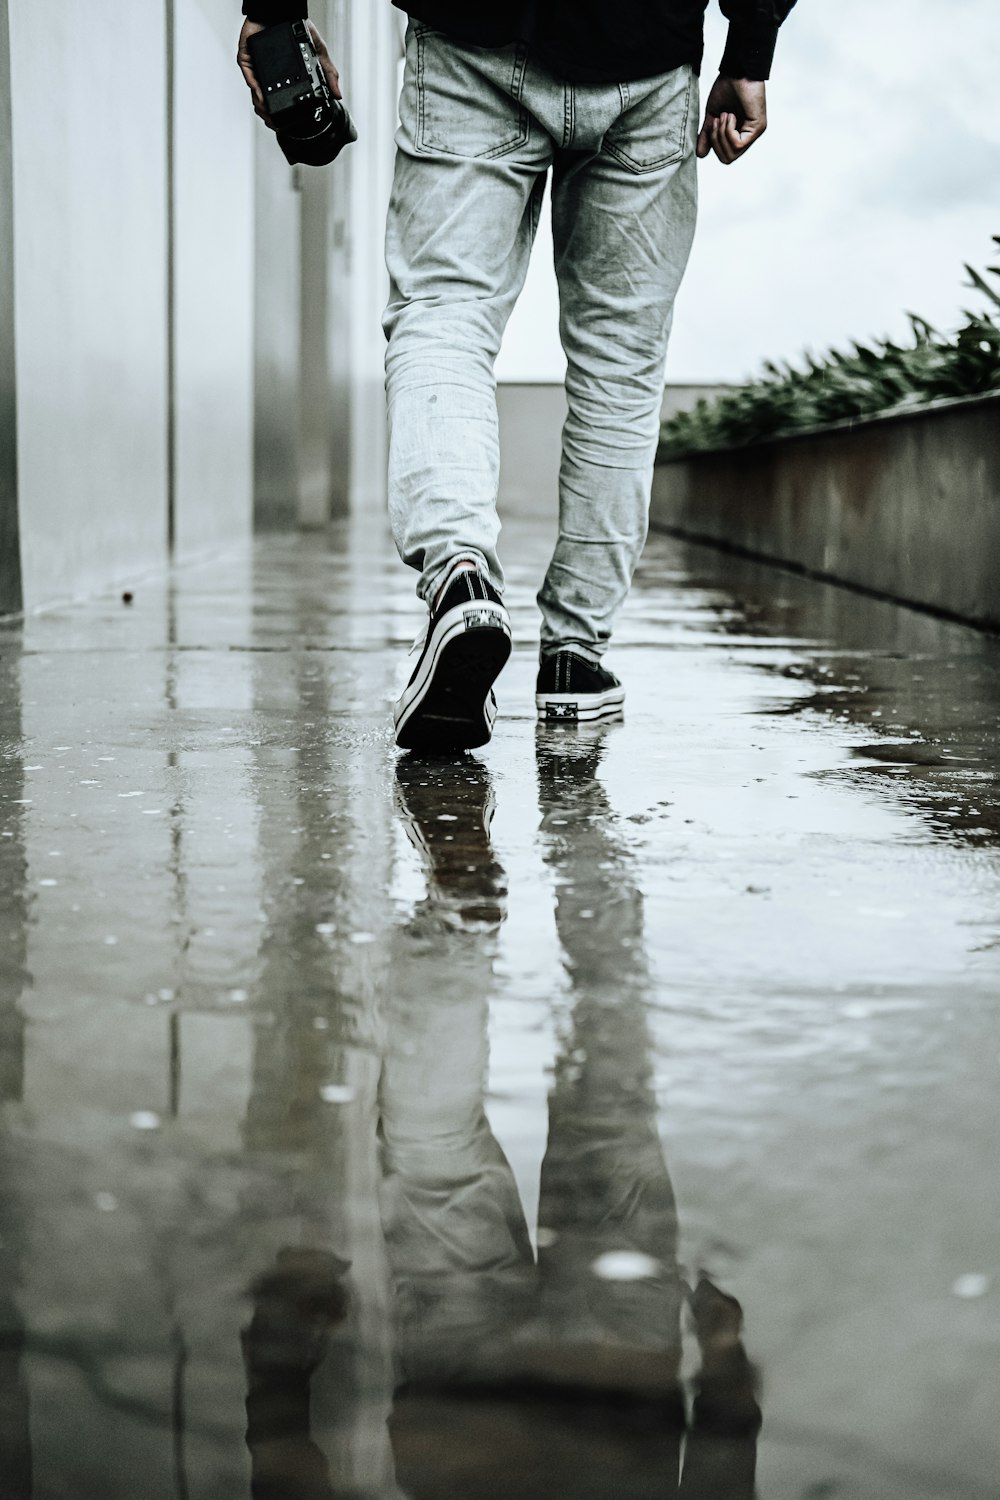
[
  {"x": 480, "y": 130},
  {"x": 458, "y": 1243},
  {"x": 455, "y": 1231},
  {"x": 464, "y": 1271},
  {"x": 481, "y": 1329}
]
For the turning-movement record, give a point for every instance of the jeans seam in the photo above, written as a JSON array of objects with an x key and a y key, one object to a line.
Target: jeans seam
[
  {"x": 429, "y": 588},
  {"x": 420, "y": 88}
]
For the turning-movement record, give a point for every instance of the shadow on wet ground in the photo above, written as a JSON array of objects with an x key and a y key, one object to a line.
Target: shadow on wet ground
[{"x": 607, "y": 1114}]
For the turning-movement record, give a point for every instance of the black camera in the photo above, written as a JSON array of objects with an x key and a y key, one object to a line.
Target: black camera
[{"x": 313, "y": 127}]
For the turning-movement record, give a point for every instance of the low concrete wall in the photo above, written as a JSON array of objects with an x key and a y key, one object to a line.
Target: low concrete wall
[
  {"x": 531, "y": 424},
  {"x": 906, "y": 505}
]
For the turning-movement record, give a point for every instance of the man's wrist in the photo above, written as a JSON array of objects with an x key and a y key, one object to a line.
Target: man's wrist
[
  {"x": 272, "y": 12},
  {"x": 749, "y": 52}
]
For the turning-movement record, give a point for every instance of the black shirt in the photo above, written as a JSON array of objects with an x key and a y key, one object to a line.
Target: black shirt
[{"x": 593, "y": 40}]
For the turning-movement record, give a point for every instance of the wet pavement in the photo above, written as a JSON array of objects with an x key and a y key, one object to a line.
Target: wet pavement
[{"x": 608, "y": 1114}]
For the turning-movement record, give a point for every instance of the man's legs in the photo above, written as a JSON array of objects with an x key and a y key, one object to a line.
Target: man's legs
[
  {"x": 469, "y": 178},
  {"x": 623, "y": 219}
]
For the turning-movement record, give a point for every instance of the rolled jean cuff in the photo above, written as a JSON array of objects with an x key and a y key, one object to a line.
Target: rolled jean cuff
[
  {"x": 589, "y": 653},
  {"x": 430, "y": 586}
]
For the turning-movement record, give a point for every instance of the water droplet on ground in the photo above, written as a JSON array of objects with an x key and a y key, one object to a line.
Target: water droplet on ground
[
  {"x": 337, "y": 1093},
  {"x": 970, "y": 1286},
  {"x": 625, "y": 1265}
]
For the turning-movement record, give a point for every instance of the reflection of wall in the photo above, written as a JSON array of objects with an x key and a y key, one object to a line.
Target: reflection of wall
[
  {"x": 89, "y": 148},
  {"x": 10, "y": 570}
]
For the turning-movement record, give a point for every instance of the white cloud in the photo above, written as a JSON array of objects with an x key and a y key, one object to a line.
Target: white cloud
[{"x": 877, "y": 179}]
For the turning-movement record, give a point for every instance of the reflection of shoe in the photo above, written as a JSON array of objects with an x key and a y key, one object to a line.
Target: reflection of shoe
[
  {"x": 727, "y": 1382},
  {"x": 573, "y": 688},
  {"x": 448, "y": 703},
  {"x": 446, "y": 811},
  {"x": 296, "y": 1303},
  {"x": 588, "y": 1421}
]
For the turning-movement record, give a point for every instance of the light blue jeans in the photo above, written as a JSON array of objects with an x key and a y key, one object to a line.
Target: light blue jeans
[{"x": 480, "y": 129}]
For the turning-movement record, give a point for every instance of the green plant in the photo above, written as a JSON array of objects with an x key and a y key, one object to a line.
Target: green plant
[{"x": 860, "y": 383}]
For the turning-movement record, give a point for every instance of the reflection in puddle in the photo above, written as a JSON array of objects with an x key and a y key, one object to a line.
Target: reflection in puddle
[
  {"x": 556, "y": 1374},
  {"x": 249, "y": 1186}
]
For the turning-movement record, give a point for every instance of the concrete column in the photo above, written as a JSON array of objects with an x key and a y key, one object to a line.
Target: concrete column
[
  {"x": 213, "y": 251},
  {"x": 339, "y": 311},
  {"x": 277, "y": 336},
  {"x": 10, "y": 545},
  {"x": 317, "y": 416},
  {"x": 320, "y": 291},
  {"x": 368, "y": 55}
]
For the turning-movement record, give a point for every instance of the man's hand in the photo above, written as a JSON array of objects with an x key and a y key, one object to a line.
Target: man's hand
[
  {"x": 735, "y": 117},
  {"x": 250, "y": 28}
]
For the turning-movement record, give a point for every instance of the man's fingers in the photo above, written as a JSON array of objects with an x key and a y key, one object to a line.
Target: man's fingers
[
  {"x": 243, "y": 59},
  {"x": 704, "y": 145},
  {"x": 326, "y": 62},
  {"x": 246, "y": 68},
  {"x": 257, "y": 94},
  {"x": 332, "y": 77},
  {"x": 735, "y": 138},
  {"x": 742, "y": 137},
  {"x": 721, "y": 143},
  {"x": 730, "y": 140}
]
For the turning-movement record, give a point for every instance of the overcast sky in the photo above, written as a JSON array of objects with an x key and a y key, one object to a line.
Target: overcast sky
[{"x": 878, "y": 177}]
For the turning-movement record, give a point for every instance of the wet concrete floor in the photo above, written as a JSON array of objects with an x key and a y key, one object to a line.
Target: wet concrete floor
[{"x": 609, "y": 1114}]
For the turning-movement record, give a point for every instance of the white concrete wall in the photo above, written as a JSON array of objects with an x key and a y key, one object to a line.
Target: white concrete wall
[
  {"x": 90, "y": 246},
  {"x": 91, "y": 258},
  {"x": 213, "y": 269},
  {"x": 97, "y": 270}
]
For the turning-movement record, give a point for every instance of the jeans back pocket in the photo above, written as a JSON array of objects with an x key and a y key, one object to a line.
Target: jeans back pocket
[
  {"x": 654, "y": 128},
  {"x": 469, "y": 99}
]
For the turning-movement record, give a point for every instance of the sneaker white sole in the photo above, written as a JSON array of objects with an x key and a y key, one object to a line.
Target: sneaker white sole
[
  {"x": 580, "y": 708},
  {"x": 450, "y": 703}
]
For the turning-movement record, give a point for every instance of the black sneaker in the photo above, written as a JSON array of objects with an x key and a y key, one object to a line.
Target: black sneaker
[
  {"x": 448, "y": 703},
  {"x": 573, "y": 688}
]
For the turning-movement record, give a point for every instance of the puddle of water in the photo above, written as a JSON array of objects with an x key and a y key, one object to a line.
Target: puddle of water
[{"x": 537, "y": 1122}]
